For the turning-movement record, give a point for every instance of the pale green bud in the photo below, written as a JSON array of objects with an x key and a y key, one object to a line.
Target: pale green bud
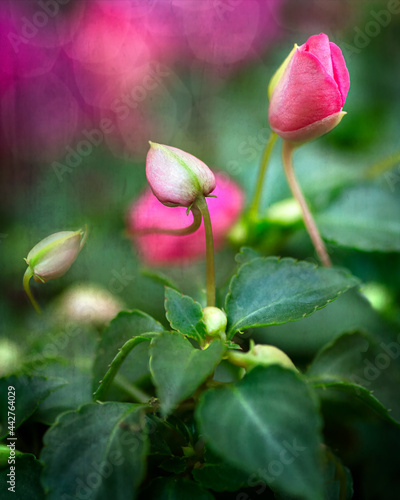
[
  {"x": 261, "y": 355},
  {"x": 215, "y": 321},
  {"x": 52, "y": 257}
]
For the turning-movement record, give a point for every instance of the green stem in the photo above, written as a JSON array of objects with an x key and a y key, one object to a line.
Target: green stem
[
  {"x": 253, "y": 211},
  {"x": 287, "y": 153},
  {"x": 27, "y": 276},
  {"x": 194, "y": 226},
  {"x": 382, "y": 166},
  {"x": 115, "y": 365},
  {"x": 135, "y": 393},
  {"x": 210, "y": 274}
]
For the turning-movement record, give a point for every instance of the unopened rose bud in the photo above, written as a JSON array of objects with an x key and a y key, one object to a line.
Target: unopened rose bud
[
  {"x": 52, "y": 257},
  {"x": 175, "y": 177},
  {"x": 215, "y": 321},
  {"x": 261, "y": 355},
  {"x": 308, "y": 91}
]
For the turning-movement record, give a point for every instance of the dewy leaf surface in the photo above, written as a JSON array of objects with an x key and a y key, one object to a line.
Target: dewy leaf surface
[{"x": 271, "y": 291}]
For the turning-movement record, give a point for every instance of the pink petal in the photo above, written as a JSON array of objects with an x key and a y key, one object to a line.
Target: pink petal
[
  {"x": 318, "y": 45},
  {"x": 340, "y": 71},
  {"x": 305, "y": 94}
]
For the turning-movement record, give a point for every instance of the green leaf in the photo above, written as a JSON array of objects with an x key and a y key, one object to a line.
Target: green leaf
[
  {"x": 246, "y": 254},
  {"x": 305, "y": 338},
  {"x": 338, "y": 483},
  {"x": 178, "y": 368},
  {"x": 359, "y": 360},
  {"x": 185, "y": 315},
  {"x": 338, "y": 480},
  {"x": 5, "y": 453},
  {"x": 270, "y": 291},
  {"x": 177, "y": 465},
  {"x": 27, "y": 479},
  {"x": 267, "y": 425},
  {"x": 123, "y": 327},
  {"x": 28, "y": 393},
  {"x": 165, "y": 438},
  {"x": 75, "y": 393},
  {"x": 358, "y": 395},
  {"x": 217, "y": 475},
  {"x": 174, "y": 489},
  {"x": 116, "y": 363},
  {"x": 160, "y": 278},
  {"x": 97, "y": 452},
  {"x": 363, "y": 217}
]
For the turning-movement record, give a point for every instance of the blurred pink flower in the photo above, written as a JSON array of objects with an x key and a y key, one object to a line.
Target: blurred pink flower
[
  {"x": 223, "y": 32},
  {"x": 39, "y": 116},
  {"x": 161, "y": 249}
]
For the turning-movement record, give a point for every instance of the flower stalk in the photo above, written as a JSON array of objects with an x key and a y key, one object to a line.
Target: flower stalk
[
  {"x": 194, "y": 226},
  {"x": 261, "y": 175},
  {"x": 287, "y": 154},
  {"x": 27, "y": 276},
  {"x": 210, "y": 270}
]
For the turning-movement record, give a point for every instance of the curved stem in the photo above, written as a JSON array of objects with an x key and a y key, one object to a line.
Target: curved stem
[
  {"x": 115, "y": 365},
  {"x": 210, "y": 273},
  {"x": 27, "y": 276},
  {"x": 194, "y": 226},
  {"x": 287, "y": 153},
  {"x": 253, "y": 211}
]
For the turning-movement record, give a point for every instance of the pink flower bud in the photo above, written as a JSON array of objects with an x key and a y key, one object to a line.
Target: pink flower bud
[
  {"x": 308, "y": 91},
  {"x": 163, "y": 249},
  {"x": 175, "y": 177}
]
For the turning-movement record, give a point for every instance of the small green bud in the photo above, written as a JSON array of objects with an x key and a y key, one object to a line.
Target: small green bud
[
  {"x": 52, "y": 257},
  {"x": 261, "y": 355},
  {"x": 215, "y": 321}
]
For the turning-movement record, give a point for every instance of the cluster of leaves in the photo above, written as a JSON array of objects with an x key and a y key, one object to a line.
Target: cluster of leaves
[{"x": 151, "y": 412}]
